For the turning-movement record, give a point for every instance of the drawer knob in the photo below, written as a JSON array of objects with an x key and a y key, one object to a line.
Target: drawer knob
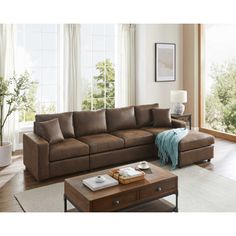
[
  {"x": 159, "y": 189},
  {"x": 116, "y": 202}
]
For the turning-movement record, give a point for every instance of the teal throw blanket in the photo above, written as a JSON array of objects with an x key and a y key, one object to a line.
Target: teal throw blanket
[{"x": 168, "y": 145}]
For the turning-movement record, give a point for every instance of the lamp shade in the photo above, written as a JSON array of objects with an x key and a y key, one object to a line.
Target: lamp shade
[{"x": 178, "y": 96}]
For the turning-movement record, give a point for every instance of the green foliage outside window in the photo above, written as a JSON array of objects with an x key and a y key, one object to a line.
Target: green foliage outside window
[
  {"x": 29, "y": 115},
  {"x": 221, "y": 103},
  {"x": 31, "y": 97},
  {"x": 103, "y": 94}
]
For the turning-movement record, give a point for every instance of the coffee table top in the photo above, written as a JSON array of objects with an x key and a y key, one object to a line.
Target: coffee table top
[{"x": 152, "y": 175}]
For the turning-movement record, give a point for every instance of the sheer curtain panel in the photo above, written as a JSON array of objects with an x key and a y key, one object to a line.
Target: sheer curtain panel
[
  {"x": 71, "y": 66},
  {"x": 7, "y": 67},
  {"x": 125, "y": 83}
]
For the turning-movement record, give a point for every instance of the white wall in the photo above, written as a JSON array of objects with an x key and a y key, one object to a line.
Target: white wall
[{"x": 147, "y": 90}]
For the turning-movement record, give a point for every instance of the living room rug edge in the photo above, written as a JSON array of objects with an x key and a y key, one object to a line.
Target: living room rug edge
[{"x": 200, "y": 190}]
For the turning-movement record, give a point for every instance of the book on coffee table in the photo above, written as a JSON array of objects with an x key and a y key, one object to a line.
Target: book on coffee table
[{"x": 94, "y": 186}]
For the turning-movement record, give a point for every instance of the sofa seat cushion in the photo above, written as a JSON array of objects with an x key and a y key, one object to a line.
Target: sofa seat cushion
[
  {"x": 66, "y": 149},
  {"x": 134, "y": 137},
  {"x": 154, "y": 130},
  {"x": 195, "y": 139},
  {"x": 102, "y": 142}
]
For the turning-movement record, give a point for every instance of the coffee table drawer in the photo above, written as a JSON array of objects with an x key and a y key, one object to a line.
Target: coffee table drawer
[
  {"x": 158, "y": 189},
  {"x": 114, "y": 203}
]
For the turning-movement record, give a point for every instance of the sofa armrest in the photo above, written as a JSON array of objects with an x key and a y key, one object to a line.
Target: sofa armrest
[
  {"x": 36, "y": 155},
  {"x": 178, "y": 123}
]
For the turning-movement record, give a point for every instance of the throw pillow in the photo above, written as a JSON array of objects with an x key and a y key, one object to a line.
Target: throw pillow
[
  {"x": 51, "y": 131},
  {"x": 161, "y": 117},
  {"x": 65, "y": 121}
]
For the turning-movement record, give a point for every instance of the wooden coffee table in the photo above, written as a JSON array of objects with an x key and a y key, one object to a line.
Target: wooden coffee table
[{"x": 158, "y": 183}]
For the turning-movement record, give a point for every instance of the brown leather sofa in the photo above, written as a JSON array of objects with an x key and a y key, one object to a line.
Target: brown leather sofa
[{"x": 93, "y": 139}]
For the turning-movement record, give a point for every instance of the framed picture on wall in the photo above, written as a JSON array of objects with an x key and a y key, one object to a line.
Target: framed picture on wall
[{"x": 165, "y": 62}]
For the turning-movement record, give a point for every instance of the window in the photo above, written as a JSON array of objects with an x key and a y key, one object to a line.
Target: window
[
  {"x": 98, "y": 44},
  {"x": 219, "y": 78},
  {"x": 37, "y": 51}
]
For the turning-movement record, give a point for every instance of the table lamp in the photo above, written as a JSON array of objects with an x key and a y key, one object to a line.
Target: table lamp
[{"x": 178, "y": 97}]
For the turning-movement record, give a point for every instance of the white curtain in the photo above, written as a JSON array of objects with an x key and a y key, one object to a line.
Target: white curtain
[
  {"x": 71, "y": 66},
  {"x": 125, "y": 81},
  {"x": 7, "y": 67}
]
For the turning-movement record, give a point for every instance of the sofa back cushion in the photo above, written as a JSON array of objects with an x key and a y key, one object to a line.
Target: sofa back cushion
[
  {"x": 51, "y": 131},
  {"x": 143, "y": 114},
  {"x": 120, "y": 118},
  {"x": 65, "y": 121},
  {"x": 89, "y": 122},
  {"x": 161, "y": 118}
]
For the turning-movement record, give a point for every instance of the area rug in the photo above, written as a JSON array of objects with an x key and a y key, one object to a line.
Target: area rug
[
  {"x": 8, "y": 172},
  {"x": 200, "y": 190}
]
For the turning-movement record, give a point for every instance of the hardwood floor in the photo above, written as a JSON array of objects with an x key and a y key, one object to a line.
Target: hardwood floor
[{"x": 223, "y": 164}]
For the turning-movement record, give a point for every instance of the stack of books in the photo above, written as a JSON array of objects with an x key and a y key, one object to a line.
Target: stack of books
[{"x": 92, "y": 184}]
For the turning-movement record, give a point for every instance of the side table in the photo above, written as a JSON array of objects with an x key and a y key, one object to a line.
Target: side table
[{"x": 185, "y": 117}]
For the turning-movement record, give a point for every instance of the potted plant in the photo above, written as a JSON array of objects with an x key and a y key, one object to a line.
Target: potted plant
[{"x": 13, "y": 97}]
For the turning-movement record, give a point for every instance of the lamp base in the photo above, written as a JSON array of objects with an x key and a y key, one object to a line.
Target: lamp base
[{"x": 179, "y": 109}]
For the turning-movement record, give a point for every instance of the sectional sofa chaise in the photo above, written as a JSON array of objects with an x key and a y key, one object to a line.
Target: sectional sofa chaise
[{"x": 94, "y": 139}]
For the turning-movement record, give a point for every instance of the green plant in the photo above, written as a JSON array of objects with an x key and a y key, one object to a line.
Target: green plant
[
  {"x": 103, "y": 95},
  {"x": 13, "y": 97}
]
